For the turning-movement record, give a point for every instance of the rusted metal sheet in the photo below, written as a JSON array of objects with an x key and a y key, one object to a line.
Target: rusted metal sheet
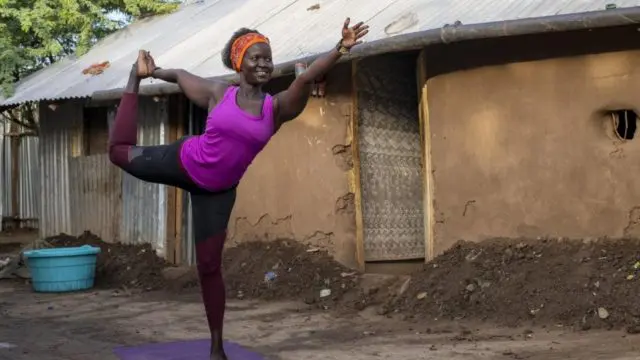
[
  {"x": 144, "y": 205},
  {"x": 81, "y": 193},
  {"x": 58, "y": 124},
  {"x": 193, "y": 37},
  {"x": 95, "y": 196}
]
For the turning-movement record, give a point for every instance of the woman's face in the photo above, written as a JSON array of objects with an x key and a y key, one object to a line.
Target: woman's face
[{"x": 257, "y": 65}]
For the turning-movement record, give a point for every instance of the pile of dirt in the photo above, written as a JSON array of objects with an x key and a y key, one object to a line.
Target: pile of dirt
[
  {"x": 120, "y": 265},
  {"x": 277, "y": 270},
  {"x": 541, "y": 282},
  {"x": 285, "y": 269}
]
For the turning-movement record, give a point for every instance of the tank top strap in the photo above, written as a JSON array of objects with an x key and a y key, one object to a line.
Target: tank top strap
[
  {"x": 230, "y": 93},
  {"x": 267, "y": 106}
]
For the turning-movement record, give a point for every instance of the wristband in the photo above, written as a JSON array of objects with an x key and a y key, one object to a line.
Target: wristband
[{"x": 341, "y": 49}]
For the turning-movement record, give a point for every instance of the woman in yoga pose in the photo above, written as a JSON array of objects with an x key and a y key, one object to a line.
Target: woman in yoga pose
[{"x": 241, "y": 120}]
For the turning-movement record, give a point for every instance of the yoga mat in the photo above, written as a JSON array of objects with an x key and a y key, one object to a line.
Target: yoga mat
[{"x": 183, "y": 350}]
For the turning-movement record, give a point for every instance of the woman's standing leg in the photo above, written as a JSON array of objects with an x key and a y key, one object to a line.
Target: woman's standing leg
[{"x": 211, "y": 213}]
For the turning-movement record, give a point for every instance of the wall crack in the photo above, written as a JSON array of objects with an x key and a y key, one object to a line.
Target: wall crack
[
  {"x": 343, "y": 156},
  {"x": 633, "y": 226}
]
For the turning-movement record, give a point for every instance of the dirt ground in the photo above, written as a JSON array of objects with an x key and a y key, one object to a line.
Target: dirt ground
[
  {"x": 522, "y": 299},
  {"x": 89, "y": 325}
]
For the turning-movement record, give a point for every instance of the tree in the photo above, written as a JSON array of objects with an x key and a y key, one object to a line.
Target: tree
[{"x": 37, "y": 33}]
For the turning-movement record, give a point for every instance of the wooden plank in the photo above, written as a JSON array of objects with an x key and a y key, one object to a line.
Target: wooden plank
[
  {"x": 425, "y": 135},
  {"x": 355, "y": 182}
]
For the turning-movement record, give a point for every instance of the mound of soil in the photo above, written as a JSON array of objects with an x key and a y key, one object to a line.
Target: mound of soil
[
  {"x": 119, "y": 265},
  {"x": 572, "y": 283},
  {"x": 278, "y": 270},
  {"x": 285, "y": 269}
]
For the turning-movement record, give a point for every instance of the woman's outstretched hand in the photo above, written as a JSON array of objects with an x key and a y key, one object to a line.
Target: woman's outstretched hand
[
  {"x": 351, "y": 36},
  {"x": 151, "y": 64}
]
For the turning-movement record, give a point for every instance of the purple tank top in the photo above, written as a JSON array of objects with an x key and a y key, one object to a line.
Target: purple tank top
[{"x": 217, "y": 159}]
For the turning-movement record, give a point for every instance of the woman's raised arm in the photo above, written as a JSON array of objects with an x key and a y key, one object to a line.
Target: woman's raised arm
[{"x": 290, "y": 103}]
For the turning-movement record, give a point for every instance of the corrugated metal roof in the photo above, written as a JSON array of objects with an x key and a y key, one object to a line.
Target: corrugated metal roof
[{"x": 193, "y": 37}]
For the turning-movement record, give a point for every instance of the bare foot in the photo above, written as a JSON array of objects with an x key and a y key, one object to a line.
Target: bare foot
[
  {"x": 144, "y": 65},
  {"x": 218, "y": 355}
]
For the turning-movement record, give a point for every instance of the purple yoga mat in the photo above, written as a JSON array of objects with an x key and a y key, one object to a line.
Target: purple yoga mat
[{"x": 183, "y": 350}]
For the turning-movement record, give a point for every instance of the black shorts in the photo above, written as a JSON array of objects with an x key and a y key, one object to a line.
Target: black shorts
[{"x": 161, "y": 164}]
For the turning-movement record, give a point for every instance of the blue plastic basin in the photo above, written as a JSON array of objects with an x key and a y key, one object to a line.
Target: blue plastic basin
[{"x": 62, "y": 269}]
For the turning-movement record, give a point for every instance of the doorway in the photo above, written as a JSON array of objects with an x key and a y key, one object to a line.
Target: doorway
[{"x": 390, "y": 158}]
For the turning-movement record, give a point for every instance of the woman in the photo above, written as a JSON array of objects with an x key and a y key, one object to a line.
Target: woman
[{"x": 241, "y": 121}]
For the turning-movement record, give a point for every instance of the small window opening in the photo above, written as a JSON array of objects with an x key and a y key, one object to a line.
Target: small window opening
[
  {"x": 624, "y": 123},
  {"x": 95, "y": 131}
]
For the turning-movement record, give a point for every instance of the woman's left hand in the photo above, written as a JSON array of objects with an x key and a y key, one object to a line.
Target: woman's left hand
[{"x": 351, "y": 36}]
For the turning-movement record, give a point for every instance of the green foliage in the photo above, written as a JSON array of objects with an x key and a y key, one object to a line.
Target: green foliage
[{"x": 37, "y": 33}]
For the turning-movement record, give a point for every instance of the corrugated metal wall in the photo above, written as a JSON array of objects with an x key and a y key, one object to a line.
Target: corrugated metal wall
[
  {"x": 5, "y": 173},
  {"x": 29, "y": 182},
  {"x": 88, "y": 192},
  {"x": 96, "y": 196},
  {"x": 57, "y": 135},
  {"x": 144, "y": 205},
  {"x": 28, "y": 186}
]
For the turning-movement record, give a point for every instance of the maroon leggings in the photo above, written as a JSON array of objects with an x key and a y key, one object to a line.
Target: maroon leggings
[{"x": 211, "y": 210}]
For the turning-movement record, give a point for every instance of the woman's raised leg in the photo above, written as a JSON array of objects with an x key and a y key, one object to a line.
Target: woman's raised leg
[
  {"x": 157, "y": 164},
  {"x": 124, "y": 134}
]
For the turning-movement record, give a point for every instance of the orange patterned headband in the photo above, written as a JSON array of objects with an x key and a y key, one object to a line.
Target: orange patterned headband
[{"x": 241, "y": 45}]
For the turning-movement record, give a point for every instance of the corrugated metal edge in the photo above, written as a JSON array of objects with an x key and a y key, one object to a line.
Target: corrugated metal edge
[{"x": 20, "y": 102}]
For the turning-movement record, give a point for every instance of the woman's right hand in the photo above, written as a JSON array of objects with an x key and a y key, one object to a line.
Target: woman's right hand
[
  {"x": 151, "y": 64},
  {"x": 352, "y": 36}
]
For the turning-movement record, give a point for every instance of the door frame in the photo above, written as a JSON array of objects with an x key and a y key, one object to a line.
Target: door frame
[
  {"x": 427, "y": 166},
  {"x": 355, "y": 184}
]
